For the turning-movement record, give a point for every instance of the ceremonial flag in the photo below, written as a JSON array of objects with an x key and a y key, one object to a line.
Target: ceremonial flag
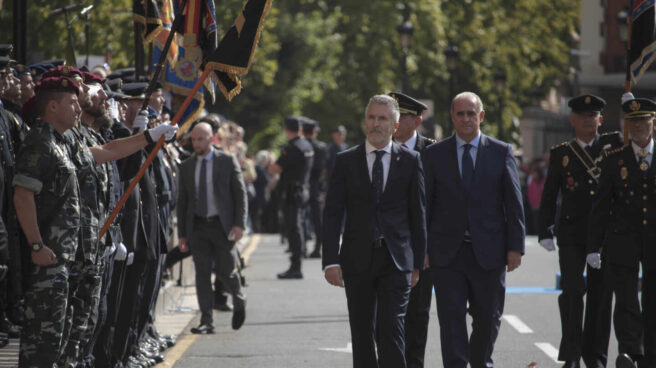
[
  {"x": 234, "y": 55},
  {"x": 643, "y": 38},
  {"x": 147, "y": 13},
  {"x": 167, "y": 15}
]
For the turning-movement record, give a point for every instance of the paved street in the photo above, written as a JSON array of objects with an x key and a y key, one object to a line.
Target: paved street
[{"x": 304, "y": 323}]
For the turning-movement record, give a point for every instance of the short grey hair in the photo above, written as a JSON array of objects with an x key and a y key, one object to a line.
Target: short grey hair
[
  {"x": 469, "y": 95},
  {"x": 386, "y": 101}
]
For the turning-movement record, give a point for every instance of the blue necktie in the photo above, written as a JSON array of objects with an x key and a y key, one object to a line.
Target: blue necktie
[
  {"x": 201, "y": 206},
  {"x": 377, "y": 175},
  {"x": 467, "y": 167}
]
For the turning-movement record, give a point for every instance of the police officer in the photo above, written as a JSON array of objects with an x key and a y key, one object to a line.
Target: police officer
[
  {"x": 573, "y": 173},
  {"x": 294, "y": 165},
  {"x": 622, "y": 236},
  {"x": 417, "y": 315},
  {"x": 317, "y": 180}
]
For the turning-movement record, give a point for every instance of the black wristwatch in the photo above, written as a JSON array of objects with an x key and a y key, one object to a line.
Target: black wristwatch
[{"x": 37, "y": 246}]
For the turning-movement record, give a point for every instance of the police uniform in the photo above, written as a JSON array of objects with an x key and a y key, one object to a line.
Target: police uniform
[
  {"x": 44, "y": 167},
  {"x": 296, "y": 162},
  {"x": 573, "y": 173},
  {"x": 622, "y": 225},
  {"x": 317, "y": 180},
  {"x": 418, "y": 313}
]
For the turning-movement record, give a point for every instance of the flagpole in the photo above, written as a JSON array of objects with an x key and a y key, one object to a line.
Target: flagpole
[
  {"x": 162, "y": 57},
  {"x": 153, "y": 153},
  {"x": 627, "y": 83}
]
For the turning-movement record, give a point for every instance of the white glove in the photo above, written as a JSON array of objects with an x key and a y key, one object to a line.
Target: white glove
[
  {"x": 167, "y": 130},
  {"x": 548, "y": 244},
  {"x": 109, "y": 251},
  {"x": 130, "y": 258},
  {"x": 594, "y": 260},
  {"x": 113, "y": 109},
  {"x": 121, "y": 252},
  {"x": 627, "y": 96},
  {"x": 140, "y": 121}
]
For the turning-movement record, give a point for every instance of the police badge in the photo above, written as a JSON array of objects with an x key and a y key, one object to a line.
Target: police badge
[
  {"x": 565, "y": 161},
  {"x": 624, "y": 172}
]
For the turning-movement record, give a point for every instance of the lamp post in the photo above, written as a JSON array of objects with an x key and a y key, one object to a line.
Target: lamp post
[
  {"x": 623, "y": 25},
  {"x": 500, "y": 85},
  {"x": 405, "y": 31},
  {"x": 451, "y": 54}
]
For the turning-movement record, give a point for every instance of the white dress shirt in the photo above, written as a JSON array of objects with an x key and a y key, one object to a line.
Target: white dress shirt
[
  {"x": 212, "y": 209},
  {"x": 460, "y": 144},
  {"x": 410, "y": 143},
  {"x": 386, "y": 159},
  {"x": 649, "y": 150},
  {"x": 584, "y": 144}
]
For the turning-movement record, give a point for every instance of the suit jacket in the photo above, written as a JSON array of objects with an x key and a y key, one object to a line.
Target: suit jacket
[
  {"x": 493, "y": 209},
  {"x": 624, "y": 211},
  {"x": 229, "y": 192},
  {"x": 568, "y": 176},
  {"x": 401, "y": 211},
  {"x": 422, "y": 143}
]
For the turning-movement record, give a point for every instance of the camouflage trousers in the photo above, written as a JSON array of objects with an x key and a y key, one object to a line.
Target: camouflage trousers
[
  {"x": 82, "y": 314},
  {"x": 46, "y": 303}
]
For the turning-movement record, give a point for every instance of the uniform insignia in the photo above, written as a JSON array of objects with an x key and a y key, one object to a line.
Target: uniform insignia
[
  {"x": 565, "y": 161},
  {"x": 66, "y": 70},
  {"x": 635, "y": 106},
  {"x": 644, "y": 166},
  {"x": 624, "y": 172},
  {"x": 587, "y": 100},
  {"x": 64, "y": 83}
]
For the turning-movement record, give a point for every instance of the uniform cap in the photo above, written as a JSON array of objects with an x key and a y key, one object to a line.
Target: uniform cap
[
  {"x": 6, "y": 49},
  {"x": 309, "y": 125},
  {"x": 135, "y": 90},
  {"x": 586, "y": 103},
  {"x": 292, "y": 123},
  {"x": 639, "y": 108},
  {"x": 407, "y": 104}
]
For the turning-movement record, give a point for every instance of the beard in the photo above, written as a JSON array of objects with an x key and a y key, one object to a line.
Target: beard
[{"x": 103, "y": 120}]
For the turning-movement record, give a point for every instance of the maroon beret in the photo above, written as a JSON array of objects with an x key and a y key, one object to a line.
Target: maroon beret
[
  {"x": 91, "y": 78},
  {"x": 62, "y": 71},
  {"x": 57, "y": 84}
]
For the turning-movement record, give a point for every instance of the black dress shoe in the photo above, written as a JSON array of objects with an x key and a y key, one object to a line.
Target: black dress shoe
[
  {"x": 572, "y": 364},
  {"x": 624, "y": 361},
  {"x": 315, "y": 254},
  {"x": 238, "y": 317},
  {"x": 9, "y": 328},
  {"x": 290, "y": 274},
  {"x": 203, "y": 329},
  {"x": 223, "y": 307}
]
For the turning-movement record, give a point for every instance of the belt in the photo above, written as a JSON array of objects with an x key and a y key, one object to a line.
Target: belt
[
  {"x": 379, "y": 243},
  {"x": 206, "y": 219}
]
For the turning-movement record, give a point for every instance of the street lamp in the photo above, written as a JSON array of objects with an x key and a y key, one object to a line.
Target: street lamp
[
  {"x": 500, "y": 85},
  {"x": 405, "y": 31},
  {"x": 623, "y": 25},
  {"x": 451, "y": 54}
]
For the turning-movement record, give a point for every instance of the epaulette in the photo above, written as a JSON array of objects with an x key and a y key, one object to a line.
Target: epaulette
[
  {"x": 612, "y": 151},
  {"x": 560, "y": 145},
  {"x": 431, "y": 140},
  {"x": 610, "y": 133}
]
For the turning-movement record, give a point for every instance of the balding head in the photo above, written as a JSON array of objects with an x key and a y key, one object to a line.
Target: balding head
[{"x": 201, "y": 138}]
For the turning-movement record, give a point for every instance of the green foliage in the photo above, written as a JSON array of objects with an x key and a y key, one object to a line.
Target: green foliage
[{"x": 325, "y": 59}]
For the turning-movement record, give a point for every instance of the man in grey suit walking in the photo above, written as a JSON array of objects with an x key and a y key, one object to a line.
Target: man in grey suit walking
[{"x": 212, "y": 214}]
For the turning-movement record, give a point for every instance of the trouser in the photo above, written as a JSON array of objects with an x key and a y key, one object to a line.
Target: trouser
[
  {"x": 92, "y": 336},
  {"x": 416, "y": 320},
  {"x": 316, "y": 211},
  {"x": 294, "y": 232},
  {"x": 210, "y": 247},
  {"x": 377, "y": 303},
  {"x": 46, "y": 302},
  {"x": 587, "y": 338}
]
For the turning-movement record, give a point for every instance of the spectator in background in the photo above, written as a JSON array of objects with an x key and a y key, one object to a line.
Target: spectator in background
[
  {"x": 534, "y": 185},
  {"x": 335, "y": 147},
  {"x": 260, "y": 200}
]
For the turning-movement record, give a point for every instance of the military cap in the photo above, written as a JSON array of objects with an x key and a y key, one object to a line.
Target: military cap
[
  {"x": 309, "y": 125},
  {"x": 132, "y": 79},
  {"x": 639, "y": 108},
  {"x": 57, "y": 84},
  {"x": 135, "y": 91},
  {"x": 55, "y": 62},
  {"x": 91, "y": 78},
  {"x": 62, "y": 71},
  {"x": 5, "y": 62},
  {"x": 84, "y": 68},
  {"x": 6, "y": 49},
  {"x": 407, "y": 104},
  {"x": 118, "y": 96},
  {"x": 293, "y": 123},
  {"x": 115, "y": 85},
  {"x": 38, "y": 69},
  {"x": 586, "y": 103},
  {"x": 21, "y": 69}
]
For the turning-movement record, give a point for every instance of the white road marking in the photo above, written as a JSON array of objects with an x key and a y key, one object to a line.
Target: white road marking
[
  {"x": 548, "y": 349},
  {"x": 517, "y": 324},
  {"x": 348, "y": 349}
]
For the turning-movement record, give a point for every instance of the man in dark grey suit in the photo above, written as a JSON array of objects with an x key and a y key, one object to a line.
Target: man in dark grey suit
[
  {"x": 379, "y": 187},
  {"x": 211, "y": 218},
  {"x": 476, "y": 232}
]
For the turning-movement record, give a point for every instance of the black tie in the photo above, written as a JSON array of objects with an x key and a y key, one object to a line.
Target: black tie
[
  {"x": 377, "y": 175},
  {"x": 588, "y": 149},
  {"x": 201, "y": 206},
  {"x": 467, "y": 167}
]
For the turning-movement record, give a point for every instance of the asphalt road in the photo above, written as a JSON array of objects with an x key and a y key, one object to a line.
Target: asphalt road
[{"x": 304, "y": 323}]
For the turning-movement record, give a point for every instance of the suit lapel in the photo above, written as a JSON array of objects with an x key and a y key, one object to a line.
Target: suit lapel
[
  {"x": 478, "y": 165},
  {"x": 394, "y": 158}
]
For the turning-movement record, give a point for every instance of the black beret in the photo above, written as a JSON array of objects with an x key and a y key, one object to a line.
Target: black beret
[
  {"x": 293, "y": 123},
  {"x": 586, "y": 103},
  {"x": 40, "y": 68},
  {"x": 407, "y": 104},
  {"x": 639, "y": 108},
  {"x": 22, "y": 70}
]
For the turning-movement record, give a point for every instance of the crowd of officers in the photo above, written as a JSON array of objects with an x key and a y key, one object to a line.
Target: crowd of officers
[{"x": 70, "y": 143}]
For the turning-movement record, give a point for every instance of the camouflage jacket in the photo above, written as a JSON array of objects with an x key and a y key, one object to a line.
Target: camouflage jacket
[{"x": 44, "y": 166}]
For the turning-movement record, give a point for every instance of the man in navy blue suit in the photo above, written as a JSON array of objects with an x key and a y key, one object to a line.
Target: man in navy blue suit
[
  {"x": 379, "y": 187},
  {"x": 475, "y": 232}
]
